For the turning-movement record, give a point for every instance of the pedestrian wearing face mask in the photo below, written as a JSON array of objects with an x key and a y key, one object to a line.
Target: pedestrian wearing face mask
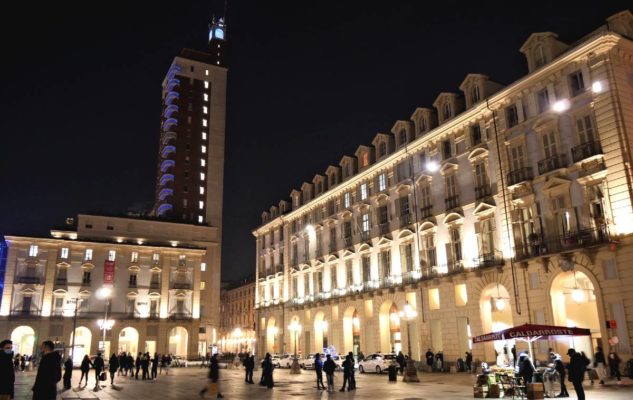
[{"x": 6, "y": 370}]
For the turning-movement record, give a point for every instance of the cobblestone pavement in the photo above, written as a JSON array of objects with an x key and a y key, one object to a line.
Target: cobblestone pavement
[{"x": 185, "y": 384}]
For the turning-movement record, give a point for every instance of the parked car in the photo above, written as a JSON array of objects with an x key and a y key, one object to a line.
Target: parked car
[
  {"x": 308, "y": 362},
  {"x": 338, "y": 360},
  {"x": 276, "y": 360},
  {"x": 285, "y": 361},
  {"x": 376, "y": 362},
  {"x": 178, "y": 361}
]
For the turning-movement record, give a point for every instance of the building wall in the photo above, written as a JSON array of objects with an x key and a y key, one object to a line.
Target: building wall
[
  {"x": 237, "y": 318},
  {"x": 533, "y": 213}
]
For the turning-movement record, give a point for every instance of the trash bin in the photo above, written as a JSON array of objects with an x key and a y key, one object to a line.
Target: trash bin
[{"x": 393, "y": 373}]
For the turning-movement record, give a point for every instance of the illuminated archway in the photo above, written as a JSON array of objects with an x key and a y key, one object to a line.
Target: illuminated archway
[
  {"x": 496, "y": 315},
  {"x": 271, "y": 336},
  {"x": 83, "y": 343},
  {"x": 390, "y": 334},
  {"x": 295, "y": 336},
  {"x": 128, "y": 340},
  {"x": 23, "y": 338},
  {"x": 351, "y": 330},
  {"x": 178, "y": 340},
  {"x": 320, "y": 332},
  {"x": 574, "y": 304}
]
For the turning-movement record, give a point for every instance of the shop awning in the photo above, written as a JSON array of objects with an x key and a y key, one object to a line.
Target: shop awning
[{"x": 530, "y": 333}]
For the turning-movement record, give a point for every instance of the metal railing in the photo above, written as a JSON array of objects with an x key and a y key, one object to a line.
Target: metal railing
[
  {"x": 180, "y": 315},
  {"x": 25, "y": 313},
  {"x": 154, "y": 285},
  {"x": 61, "y": 281},
  {"x": 426, "y": 212},
  {"x": 181, "y": 285},
  {"x": 540, "y": 245},
  {"x": 451, "y": 202},
  {"x": 520, "y": 175},
  {"x": 585, "y": 150},
  {"x": 29, "y": 280},
  {"x": 483, "y": 191},
  {"x": 552, "y": 163},
  {"x": 384, "y": 228}
]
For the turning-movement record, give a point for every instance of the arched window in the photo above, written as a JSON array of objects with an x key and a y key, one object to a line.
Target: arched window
[
  {"x": 539, "y": 56},
  {"x": 447, "y": 111},
  {"x": 475, "y": 95},
  {"x": 403, "y": 137}
]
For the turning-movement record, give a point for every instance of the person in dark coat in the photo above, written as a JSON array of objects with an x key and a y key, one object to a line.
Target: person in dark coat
[
  {"x": 138, "y": 364},
  {"x": 614, "y": 365},
  {"x": 599, "y": 364},
  {"x": 155, "y": 362},
  {"x": 7, "y": 370},
  {"x": 122, "y": 363},
  {"x": 68, "y": 372},
  {"x": 249, "y": 364},
  {"x": 347, "y": 368},
  {"x": 214, "y": 375},
  {"x": 145, "y": 365},
  {"x": 268, "y": 371},
  {"x": 352, "y": 378},
  {"x": 429, "y": 358},
  {"x": 114, "y": 366},
  {"x": 526, "y": 368},
  {"x": 318, "y": 368},
  {"x": 85, "y": 368},
  {"x": 99, "y": 366},
  {"x": 48, "y": 373},
  {"x": 577, "y": 367},
  {"x": 329, "y": 367},
  {"x": 130, "y": 365},
  {"x": 469, "y": 361},
  {"x": 400, "y": 361},
  {"x": 559, "y": 366}
]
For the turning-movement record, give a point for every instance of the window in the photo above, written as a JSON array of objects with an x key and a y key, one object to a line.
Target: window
[
  {"x": 549, "y": 144},
  {"x": 455, "y": 246},
  {"x": 586, "y": 131},
  {"x": 110, "y": 227},
  {"x": 383, "y": 215},
  {"x": 203, "y": 285},
  {"x": 512, "y": 116},
  {"x": 363, "y": 191},
  {"x": 542, "y": 100},
  {"x": 200, "y": 204},
  {"x": 382, "y": 181},
  {"x": 33, "y": 250},
  {"x": 406, "y": 256},
  {"x": 200, "y": 219},
  {"x": 576, "y": 83},
  {"x": 85, "y": 277},
  {"x": 203, "y": 267},
  {"x": 64, "y": 253},
  {"x": 203, "y": 149},
  {"x": 404, "y": 205},
  {"x": 206, "y": 97},
  {"x": 347, "y": 230},
  {"x": 451, "y": 185},
  {"x": 111, "y": 255},
  {"x": 206, "y": 84},
  {"x": 446, "y": 149},
  {"x": 204, "y": 137},
  {"x": 203, "y": 162},
  {"x": 349, "y": 272},
  {"x": 347, "y": 199},
  {"x": 205, "y": 109},
  {"x": 430, "y": 251},
  {"x": 475, "y": 96},
  {"x": 185, "y": 203},
  {"x": 88, "y": 226},
  {"x": 517, "y": 156},
  {"x": 204, "y": 122},
  {"x": 475, "y": 135},
  {"x": 317, "y": 279},
  {"x": 366, "y": 260},
  {"x": 403, "y": 137},
  {"x": 447, "y": 111},
  {"x": 434, "y": 299},
  {"x": 385, "y": 263},
  {"x": 485, "y": 231},
  {"x": 88, "y": 256},
  {"x": 382, "y": 149},
  {"x": 539, "y": 57},
  {"x": 201, "y": 189},
  {"x": 425, "y": 196},
  {"x": 422, "y": 123},
  {"x": 481, "y": 177},
  {"x": 201, "y": 176},
  {"x": 132, "y": 281},
  {"x": 364, "y": 159},
  {"x": 134, "y": 257},
  {"x": 562, "y": 216},
  {"x": 365, "y": 223}
]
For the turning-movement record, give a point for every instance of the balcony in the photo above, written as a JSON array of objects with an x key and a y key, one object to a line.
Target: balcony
[
  {"x": 586, "y": 150},
  {"x": 384, "y": 228},
  {"x": 494, "y": 259},
  {"x": 279, "y": 268},
  {"x": 29, "y": 280},
  {"x": 131, "y": 285},
  {"x": 451, "y": 202},
  {"x": 347, "y": 241},
  {"x": 426, "y": 212},
  {"x": 541, "y": 245},
  {"x": 154, "y": 285},
  {"x": 153, "y": 315},
  {"x": 520, "y": 175},
  {"x": 482, "y": 192},
  {"x": 25, "y": 313},
  {"x": 364, "y": 235},
  {"x": 551, "y": 164},
  {"x": 455, "y": 267},
  {"x": 180, "y": 315},
  {"x": 181, "y": 285},
  {"x": 61, "y": 281}
]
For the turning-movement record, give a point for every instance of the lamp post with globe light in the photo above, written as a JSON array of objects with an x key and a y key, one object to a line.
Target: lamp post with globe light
[
  {"x": 409, "y": 314},
  {"x": 296, "y": 328},
  {"x": 105, "y": 324}
]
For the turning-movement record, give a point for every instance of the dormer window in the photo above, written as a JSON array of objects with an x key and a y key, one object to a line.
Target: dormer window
[
  {"x": 382, "y": 149},
  {"x": 295, "y": 201},
  {"x": 402, "y": 137},
  {"x": 423, "y": 126},
  {"x": 446, "y": 113},
  {"x": 364, "y": 159},
  {"x": 539, "y": 56},
  {"x": 475, "y": 96}
]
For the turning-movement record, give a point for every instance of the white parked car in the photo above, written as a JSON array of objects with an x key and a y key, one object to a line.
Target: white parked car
[
  {"x": 307, "y": 362},
  {"x": 376, "y": 363},
  {"x": 285, "y": 361},
  {"x": 276, "y": 360}
]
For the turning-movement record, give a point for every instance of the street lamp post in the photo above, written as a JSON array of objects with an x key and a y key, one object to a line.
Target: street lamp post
[
  {"x": 411, "y": 373},
  {"x": 105, "y": 293},
  {"x": 76, "y": 300},
  {"x": 296, "y": 328}
]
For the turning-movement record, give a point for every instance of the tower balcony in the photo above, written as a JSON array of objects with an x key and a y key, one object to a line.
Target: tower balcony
[
  {"x": 164, "y": 209},
  {"x": 166, "y": 164},
  {"x": 169, "y": 123},
  {"x": 170, "y": 110},
  {"x": 520, "y": 175},
  {"x": 586, "y": 150},
  {"x": 171, "y": 97},
  {"x": 164, "y": 193},
  {"x": 167, "y": 150},
  {"x": 552, "y": 163},
  {"x": 173, "y": 70},
  {"x": 172, "y": 84},
  {"x": 166, "y": 178}
]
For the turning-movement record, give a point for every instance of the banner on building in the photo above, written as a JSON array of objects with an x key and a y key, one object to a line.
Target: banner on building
[{"x": 108, "y": 272}]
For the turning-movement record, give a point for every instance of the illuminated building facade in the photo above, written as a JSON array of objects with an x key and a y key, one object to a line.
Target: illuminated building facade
[
  {"x": 237, "y": 317},
  {"x": 499, "y": 206}
]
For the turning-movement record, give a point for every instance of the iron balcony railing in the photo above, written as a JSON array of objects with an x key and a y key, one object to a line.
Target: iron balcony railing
[
  {"x": 384, "y": 228},
  {"x": 489, "y": 260},
  {"x": 29, "y": 280},
  {"x": 181, "y": 285},
  {"x": 61, "y": 281},
  {"x": 154, "y": 285},
  {"x": 552, "y": 163},
  {"x": 451, "y": 202},
  {"x": 25, "y": 313},
  {"x": 180, "y": 315},
  {"x": 520, "y": 175},
  {"x": 539, "y": 244},
  {"x": 364, "y": 235},
  {"x": 481, "y": 192},
  {"x": 586, "y": 150}
]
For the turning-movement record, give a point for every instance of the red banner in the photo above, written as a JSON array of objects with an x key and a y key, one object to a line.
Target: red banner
[{"x": 108, "y": 272}]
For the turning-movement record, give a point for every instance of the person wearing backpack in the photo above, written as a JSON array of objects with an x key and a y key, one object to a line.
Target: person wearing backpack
[{"x": 576, "y": 367}]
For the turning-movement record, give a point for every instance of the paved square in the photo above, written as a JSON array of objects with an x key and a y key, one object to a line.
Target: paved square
[{"x": 185, "y": 384}]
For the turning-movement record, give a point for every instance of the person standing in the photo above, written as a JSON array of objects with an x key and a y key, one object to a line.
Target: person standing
[
  {"x": 137, "y": 364},
  {"x": 7, "y": 371},
  {"x": 318, "y": 368},
  {"x": 526, "y": 368},
  {"x": 85, "y": 368},
  {"x": 99, "y": 366},
  {"x": 155, "y": 362},
  {"x": 214, "y": 376},
  {"x": 429, "y": 359},
  {"x": 347, "y": 368},
  {"x": 599, "y": 362},
  {"x": 400, "y": 361},
  {"x": 250, "y": 366},
  {"x": 469, "y": 361},
  {"x": 16, "y": 362},
  {"x": 48, "y": 373},
  {"x": 68, "y": 372},
  {"x": 145, "y": 366},
  {"x": 559, "y": 366},
  {"x": 163, "y": 362},
  {"x": 577, "y": 367},
  {"x": 268, "y": 371},
  {"x": 614, "y": 366},
  {"x": 113, "y": 367},
  {"x": 329, "y": 367},
  {"x": 352, "y": 378},
  {"x": 122, "y": 363}
]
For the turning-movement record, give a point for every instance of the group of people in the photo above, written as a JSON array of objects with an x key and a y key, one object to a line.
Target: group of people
[
  {"x": 435, "y": 362},
  {"x": 329, "y": 366},
  {"x": 20, "y": 360}
]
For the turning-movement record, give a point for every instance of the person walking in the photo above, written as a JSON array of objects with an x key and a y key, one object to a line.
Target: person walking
[
  {"x": 614, "y": 366},
  {"x": 599, "y": 364},
  {"x": 576, "y": 368},
  {"x": 99, "y": 366},
  {"x": 329, "y": 367},
  {"x": 559, "y": 366},
  {"x": 16, "y": 362},
  {"x": 268, "y": 371},
  {"x": 22, "y": 363},
  {"x": 68, "y": 372},
  {"x": 318, "y": 368},
  {"x": 163, "y": 362},
  {"x": 429, "y": 359},
  {"x": 137, "y": 364},
  {"x": 400, "y": 361},
  {"x": 122, "y": 363},
  {"x": 167, "y": 364},
  {"x": 113, "y": 367},
  {"x": 352, "y": 378},
  {"x": 85, "y": 368},
  {"x": 48, "y": 373},
  {"x": 526, "y": 368},
  {"x": 7, "y": 371},
  {"x": 214, "y": 376},
  {"x": 145, "y": 366},
  {"x": 155, "y": 362},
  {"x": 250, "y": 366},
  {"x": 347, "y": 368}
]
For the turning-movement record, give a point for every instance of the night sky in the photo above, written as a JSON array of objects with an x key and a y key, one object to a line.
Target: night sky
[{"x": 308, "y": 83}]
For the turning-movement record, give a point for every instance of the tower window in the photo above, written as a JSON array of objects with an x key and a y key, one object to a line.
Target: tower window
[
  {"x": 201, "y": 176},
  {"x": 203, "y": 162},
  {"x": 200, "y": 219},
  {"x": 191, "y": 68},
  {"x": 205, "y": 109},
  {"x": 200, "y": 204},
  {"x": 206, "y": 84},
  {"x": 203, "y": 267},
  {"x": 204, "y": 136},
  {"x": 33, "y": 250},
  {"x": 88, "y": 256},
  {"x": 206, "y": 72},
  {"x": 203, "y": 149},
  {"x": 201, "y": 189},
  {"x": 204, "y": 122},
  {"x": 64, "y": 253},
  {"x": 206, "y": 97},
  {"x": 111, "y": 255}
]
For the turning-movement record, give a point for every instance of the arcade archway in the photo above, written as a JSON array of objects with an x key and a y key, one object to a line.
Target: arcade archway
[
  {"x": 128, "y": 340},
  {"x": 178, "y": 340},
  {"x": 23, "y": 338}
]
